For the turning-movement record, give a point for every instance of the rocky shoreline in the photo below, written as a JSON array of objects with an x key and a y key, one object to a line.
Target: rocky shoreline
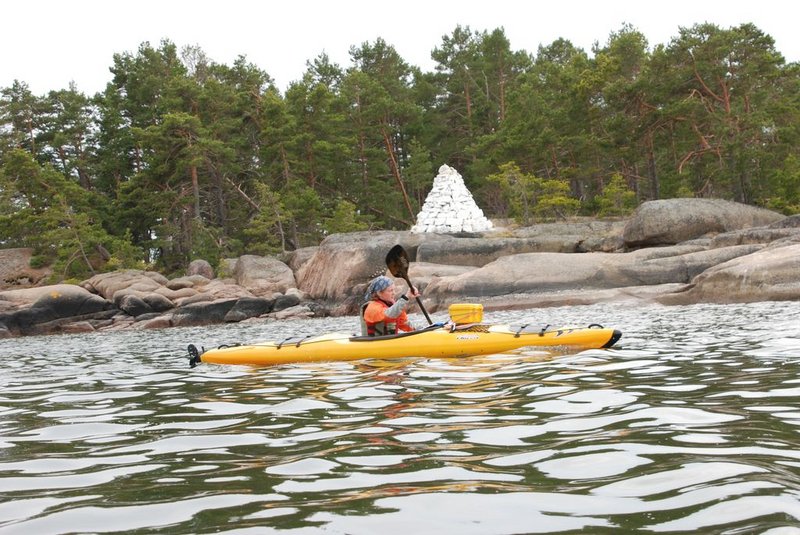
[{"x": 677, "y": 251}]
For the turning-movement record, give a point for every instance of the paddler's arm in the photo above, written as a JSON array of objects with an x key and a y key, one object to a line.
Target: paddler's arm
[{"x": 400, "y": 305}]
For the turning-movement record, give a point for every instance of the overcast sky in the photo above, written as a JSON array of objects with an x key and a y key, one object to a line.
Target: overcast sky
[{"x": 48, "y": 43}]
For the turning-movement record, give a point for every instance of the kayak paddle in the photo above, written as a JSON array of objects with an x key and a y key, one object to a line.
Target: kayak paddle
[{"x": 397, "y": 262}]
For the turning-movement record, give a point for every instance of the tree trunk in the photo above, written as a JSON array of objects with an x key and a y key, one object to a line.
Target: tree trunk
[
  {"x": 195, "y": 191},
  {"x": 285, "y": 161},
  {"x": 257, "y": 207},
  {"x": 312, "y": 176},
  {"x": 468, "y": 99},
  {"x": 652, "y": 169},
  {"x": 362, "y": 157},
  {"x": 220, "y": 207},
  {"x": 502, "y": 90},
  {"x": 738, "y": 180},
  {"x": 396, "y": 172}
]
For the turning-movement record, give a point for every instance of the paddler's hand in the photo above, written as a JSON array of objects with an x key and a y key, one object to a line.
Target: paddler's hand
[{"x": 413, "y": 293}]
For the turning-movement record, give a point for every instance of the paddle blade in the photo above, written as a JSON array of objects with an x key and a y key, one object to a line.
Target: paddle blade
[{"x": 397, "y": 261}]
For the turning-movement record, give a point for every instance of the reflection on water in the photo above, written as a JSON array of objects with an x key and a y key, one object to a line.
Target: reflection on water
[{"x": 690, "y": 425}]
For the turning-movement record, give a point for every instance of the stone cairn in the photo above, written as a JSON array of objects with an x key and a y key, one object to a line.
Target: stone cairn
[{"x": 449, "y": 207}]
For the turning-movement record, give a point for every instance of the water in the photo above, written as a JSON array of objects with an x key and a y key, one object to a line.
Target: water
[{"x": 691, "y": 425}]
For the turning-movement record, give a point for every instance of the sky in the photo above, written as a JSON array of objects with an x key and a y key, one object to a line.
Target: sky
[{"x": 50, "y": 43}]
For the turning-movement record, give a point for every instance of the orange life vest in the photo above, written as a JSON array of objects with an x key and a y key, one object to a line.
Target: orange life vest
[{"x": 373, "y": 314}]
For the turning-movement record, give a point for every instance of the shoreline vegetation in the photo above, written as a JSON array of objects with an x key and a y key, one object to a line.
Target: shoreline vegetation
[
  {"x": 190, "y": 191},
  {"x": 181, "y": 157},
  {"x": 677, "y": 251}
]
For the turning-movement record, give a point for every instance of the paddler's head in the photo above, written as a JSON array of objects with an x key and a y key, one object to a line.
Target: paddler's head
[{"x": 378, "y": 288}]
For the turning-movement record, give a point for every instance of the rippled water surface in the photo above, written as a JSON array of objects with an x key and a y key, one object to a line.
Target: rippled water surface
[{"x": 690, "y": 425}]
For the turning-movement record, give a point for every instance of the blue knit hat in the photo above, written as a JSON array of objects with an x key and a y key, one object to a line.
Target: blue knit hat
[{"x": 378, "y": 284}]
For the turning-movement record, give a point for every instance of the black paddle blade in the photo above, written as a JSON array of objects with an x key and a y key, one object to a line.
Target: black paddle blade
[{"x": 397, "y": 261}]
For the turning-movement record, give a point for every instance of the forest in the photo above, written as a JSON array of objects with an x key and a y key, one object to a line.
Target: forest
[{"x": 181, "y": 157}]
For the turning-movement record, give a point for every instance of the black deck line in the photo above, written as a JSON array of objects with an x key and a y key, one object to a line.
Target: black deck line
[{"x": 393, "y": 336}]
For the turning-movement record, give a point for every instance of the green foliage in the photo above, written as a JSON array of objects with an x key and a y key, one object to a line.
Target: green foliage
[
  {"x": 206, "y": 243},
  {"x": 38, "y": 261},
  {"x": 528, "y": 196},
  {"x": 787, "y": 179},
  {"x": 345, "y": 218},
  {"x": 303, "y": 209},
  {"x": 554, "y": 201},
  {"x": 265, "y": 233},
  {"x": 419, "y": 172},
  {"x": 181, "y": 157},
  {"x": 617, "y": 199},
  {"x": 56, "y": 218},
  {"x": 517, "y": 190}
]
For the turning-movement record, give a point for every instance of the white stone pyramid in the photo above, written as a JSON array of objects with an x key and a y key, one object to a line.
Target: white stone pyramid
[{"x": 449, "y": 207}]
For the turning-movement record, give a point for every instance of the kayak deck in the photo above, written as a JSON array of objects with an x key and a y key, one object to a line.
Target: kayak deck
[{"x": 435, "y": 341}]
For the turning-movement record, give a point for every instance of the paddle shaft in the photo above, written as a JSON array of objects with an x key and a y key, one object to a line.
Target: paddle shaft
[{"x": 419, "y": 301}]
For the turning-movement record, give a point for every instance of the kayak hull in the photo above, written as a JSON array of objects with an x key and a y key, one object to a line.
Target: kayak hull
[{"x": 431, "y": 342}]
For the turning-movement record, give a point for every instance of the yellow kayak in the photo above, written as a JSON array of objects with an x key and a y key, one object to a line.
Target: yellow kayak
[{"x": 436, "y": 341}]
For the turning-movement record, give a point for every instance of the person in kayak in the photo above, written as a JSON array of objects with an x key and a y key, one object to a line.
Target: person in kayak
[{"x": 381, "y": 314}]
